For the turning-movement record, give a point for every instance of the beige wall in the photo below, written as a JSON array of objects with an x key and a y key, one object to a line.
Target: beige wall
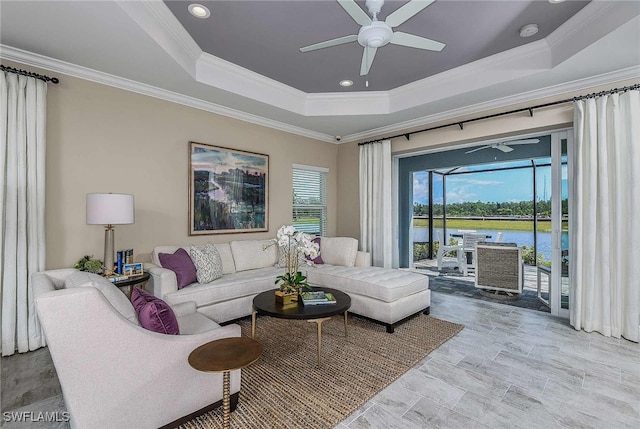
[
  {"x": 102, "y": 139},
  {"x": 547, "y": 119}
]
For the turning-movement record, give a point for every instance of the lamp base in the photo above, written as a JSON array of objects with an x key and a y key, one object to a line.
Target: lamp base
[{"x": 109, "y": 234}]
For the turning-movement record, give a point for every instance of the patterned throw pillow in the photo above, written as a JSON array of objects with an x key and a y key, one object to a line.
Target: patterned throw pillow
[{"x": 207, "y": 261}]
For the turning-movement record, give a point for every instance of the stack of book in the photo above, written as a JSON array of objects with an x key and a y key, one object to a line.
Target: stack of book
[{"x": 317, "y": 298}]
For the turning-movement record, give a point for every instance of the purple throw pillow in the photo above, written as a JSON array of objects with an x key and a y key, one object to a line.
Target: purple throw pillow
[
  {"x": 180, "y": 263},
  {"x": 318, "y": 260},
  {"x": 154, "y": 314}
]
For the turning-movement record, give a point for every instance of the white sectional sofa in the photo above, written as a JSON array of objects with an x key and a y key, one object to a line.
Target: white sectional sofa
[{"x": 385, "y": 295}]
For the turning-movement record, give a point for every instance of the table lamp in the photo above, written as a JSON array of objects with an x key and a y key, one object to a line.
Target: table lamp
[{"x": 109, "y": 210}]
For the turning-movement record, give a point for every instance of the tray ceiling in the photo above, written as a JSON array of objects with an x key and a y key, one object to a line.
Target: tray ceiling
[{"x": 244, "y": 61}]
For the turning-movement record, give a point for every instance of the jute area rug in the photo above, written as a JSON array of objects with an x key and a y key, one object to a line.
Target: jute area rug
[{"x": 285, "y": 389}]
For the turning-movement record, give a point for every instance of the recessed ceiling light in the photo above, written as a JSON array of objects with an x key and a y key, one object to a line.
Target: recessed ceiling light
[
  {"x": 555, "y": 1},
  {"x": 529, "y": 30},
  {"x": 199, "y": 11},
  {"x": 346, "y": 82}
]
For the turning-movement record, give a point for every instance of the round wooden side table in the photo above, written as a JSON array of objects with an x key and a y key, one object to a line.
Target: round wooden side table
[{"x": 225, "y": 355}]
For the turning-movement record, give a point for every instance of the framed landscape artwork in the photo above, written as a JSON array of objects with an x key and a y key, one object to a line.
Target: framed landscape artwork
[{"x": 228, "y": 190}]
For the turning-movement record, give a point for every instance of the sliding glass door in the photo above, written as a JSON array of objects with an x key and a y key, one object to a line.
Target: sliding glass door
[{"x": 561, "y": 166}]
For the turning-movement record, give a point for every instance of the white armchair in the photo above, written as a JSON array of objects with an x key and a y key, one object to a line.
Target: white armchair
[
  {"x": 469, "y": 242},
  {"x": 114, "y": 373},
  {"x": 449, "y": 255}
]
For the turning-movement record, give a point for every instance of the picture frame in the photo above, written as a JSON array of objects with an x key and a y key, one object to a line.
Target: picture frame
[
  {"x": 135, "y": 269},
  {"x": 228, "y": 190}
]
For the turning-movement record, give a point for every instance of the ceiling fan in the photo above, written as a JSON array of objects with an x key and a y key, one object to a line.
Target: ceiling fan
[
  {"x": 505, "y": 146},
  {"x": 375, "y": 34}
]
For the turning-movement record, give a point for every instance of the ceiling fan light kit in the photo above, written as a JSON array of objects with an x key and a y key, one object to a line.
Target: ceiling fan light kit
[{"x": 374, "y": 34}]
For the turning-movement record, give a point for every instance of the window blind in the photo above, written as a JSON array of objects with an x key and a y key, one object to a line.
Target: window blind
[{"x": 310, "y": 200}]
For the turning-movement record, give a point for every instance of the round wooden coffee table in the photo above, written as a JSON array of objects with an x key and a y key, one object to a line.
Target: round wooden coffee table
[
  {"x": 225, "y": 355},
  {"x": 265, "y": 303}
]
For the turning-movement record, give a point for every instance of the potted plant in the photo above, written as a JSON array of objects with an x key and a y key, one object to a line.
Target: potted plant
[
  {"x": 295, "y": 247},
  {"x": 87, "y": 263}
]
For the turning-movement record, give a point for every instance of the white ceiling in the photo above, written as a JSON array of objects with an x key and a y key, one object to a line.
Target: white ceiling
[{"x": 142, "y": 46}]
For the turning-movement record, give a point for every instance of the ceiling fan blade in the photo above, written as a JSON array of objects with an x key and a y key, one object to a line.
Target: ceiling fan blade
[
  {"x": 355, "y": 12},
  {"x": 407, "y": 11},
  {"x": 477, "y": 149},
  {"x": 368, "y": 54},
  {"x": 413, "y": 41},
  {"x": 504, "y": 148},
  {"x": 525, "y": 141},
  {"x": 329, "y": 43}
]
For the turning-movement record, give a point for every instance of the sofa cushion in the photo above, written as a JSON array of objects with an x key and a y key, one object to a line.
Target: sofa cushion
[
  {"x": 116, "y": 298},
  {"x": 339, "y": 251},
  {"x": 180, "y": 263},
  {"x": 207, "y": 261},
  {"x": 230, "y": 286},
  {"x": 254, "y": 254},
  {"x": 195, "y": 323},
  {"x": 228, "y": 265},
  {"x": 154, "y": 314},
  {"x": 384, "y": 284}
]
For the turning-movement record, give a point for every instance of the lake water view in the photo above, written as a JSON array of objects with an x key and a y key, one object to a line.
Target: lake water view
[{"x": 521, "y": 238}]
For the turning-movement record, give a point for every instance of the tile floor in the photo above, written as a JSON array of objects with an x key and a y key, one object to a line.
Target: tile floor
[{"x": 510, "y": 367}]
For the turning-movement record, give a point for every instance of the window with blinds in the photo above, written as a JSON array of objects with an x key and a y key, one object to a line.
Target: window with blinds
[{"x": 310, "y": 199}]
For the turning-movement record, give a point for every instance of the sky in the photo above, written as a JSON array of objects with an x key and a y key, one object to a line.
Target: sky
[{"x": 494, "y": 186}]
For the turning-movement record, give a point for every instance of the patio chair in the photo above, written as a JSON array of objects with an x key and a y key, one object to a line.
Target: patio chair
[
  {"x": 499, "y": 237},
  {"x": 499, "y": 267},
  {"x": 469, "y": 242},
  {"x": 446, "y": 257}
]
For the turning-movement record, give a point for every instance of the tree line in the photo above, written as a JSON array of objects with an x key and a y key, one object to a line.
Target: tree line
[{"x": 489, "y": 209}]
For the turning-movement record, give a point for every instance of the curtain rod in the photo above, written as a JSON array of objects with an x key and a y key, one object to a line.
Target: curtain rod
[
  {"x": 495, "y": 115},
  {"x": 53, "y": 80}
]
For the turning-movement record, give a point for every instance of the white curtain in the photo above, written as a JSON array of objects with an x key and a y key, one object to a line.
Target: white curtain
[
  {"x": 376, "y": 234},
  {"x": 605, "y": 237},
  {"x": 22, "y": 245}
]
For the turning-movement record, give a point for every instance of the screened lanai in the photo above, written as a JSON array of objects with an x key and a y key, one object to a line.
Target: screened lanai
[{"x": 505, "y": 195}]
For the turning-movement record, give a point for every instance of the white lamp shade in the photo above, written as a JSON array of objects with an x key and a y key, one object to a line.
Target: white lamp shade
[{"x": 110, "y": 209}]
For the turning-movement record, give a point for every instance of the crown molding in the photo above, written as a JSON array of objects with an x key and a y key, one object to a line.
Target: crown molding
[
  {"x": 155, "y": 18},
  {"x": 526, "y": 97},
  {"x": 46, "y": 63},
  {"x": 222, "y": 74},
  {"x": 594, "y": 21},
  {"x": 353, "y": 103}
]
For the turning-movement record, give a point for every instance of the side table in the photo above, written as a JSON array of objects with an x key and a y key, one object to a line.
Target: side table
[
  {"x": 225, "y": 355},
  {"x": 131, "y": 282}
]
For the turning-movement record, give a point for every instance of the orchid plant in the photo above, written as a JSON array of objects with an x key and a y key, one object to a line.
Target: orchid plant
[{"x": 296, "y": 246}]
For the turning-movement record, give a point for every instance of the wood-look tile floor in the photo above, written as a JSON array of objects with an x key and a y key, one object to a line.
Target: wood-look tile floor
[{"x": 509, "y": 368}]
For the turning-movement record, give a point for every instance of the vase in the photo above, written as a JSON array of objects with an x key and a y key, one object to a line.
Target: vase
[{"x": 286, "y": 298}]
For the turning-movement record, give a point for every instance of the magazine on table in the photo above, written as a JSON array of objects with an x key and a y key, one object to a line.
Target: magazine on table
[{"x": 317, "y": 298}]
